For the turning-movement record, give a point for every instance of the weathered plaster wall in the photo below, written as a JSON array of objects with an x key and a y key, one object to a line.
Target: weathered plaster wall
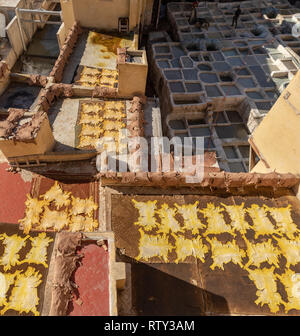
[
  {"x": 148, "y": 12},
  {"x": 43, "y": 143},
  {"x": 101, "y": 14},
  {"x": 277, "y": 137},
  {"x": 133, "y": 77}
]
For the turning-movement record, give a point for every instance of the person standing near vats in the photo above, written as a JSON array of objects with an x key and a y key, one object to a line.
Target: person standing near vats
[
  {"x": 236, "y": 16},
  {"x": 199, "y": 22},
  {"x": 193, "y": 16}
]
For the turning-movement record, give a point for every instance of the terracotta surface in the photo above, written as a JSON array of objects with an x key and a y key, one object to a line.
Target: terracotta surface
[
  {"x": 13, "y": 191},
  {"x": 92, "y": 279}
]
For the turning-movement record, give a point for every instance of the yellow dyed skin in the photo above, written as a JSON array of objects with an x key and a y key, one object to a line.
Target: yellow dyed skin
[
  {"x": 250, "y": 259},
  {"x": 225, "y": 253},
  {"x": 108, "y": 124},
  {"x": 153, "y": 246},
  {"x": 24, "y": 297},
  {"x": 6, "y": 280},
  {"x": 97, "y": 77},
  {"x": 215, "y": 220},
  {"x": 34, "y": 209},
  {"x": 187, "y": 247},
  {"x": 189, "y": 212},
  {"x": 290, "y": 249},
  {"x": 13, "y": 245},
  {"x": 146, "y": 214},
  {"x": 88, "y": 130},
  {"x": 62, "y": 219},
  {"x": 168, "y": 221},
  {"x": 23, "y": 294},
  {"x": 265, "y": 281},
  {"x": 57, "y": 220},
  {"x": 38, "y": 252},
  {"x": 291, "y": 282},
  {"x": 237, "y": 215},
  {"x": 259, "y": 253},
  {"x": 85, "y": 224},
  {"x": 261, "y": 223},
  {"x": 284, "y": 221},
  {"x": 57, "y": 195},
  {"x": 83, "y": 206}
]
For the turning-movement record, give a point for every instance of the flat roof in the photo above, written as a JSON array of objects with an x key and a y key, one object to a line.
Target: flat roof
[
  {"x": 228, "y": 254},
  {"x": 9, "y": 3},
  {"x": 14, "y": 188}
]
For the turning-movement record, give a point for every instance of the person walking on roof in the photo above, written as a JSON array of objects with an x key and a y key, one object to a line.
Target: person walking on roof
[{"x": 236, "y": 16}]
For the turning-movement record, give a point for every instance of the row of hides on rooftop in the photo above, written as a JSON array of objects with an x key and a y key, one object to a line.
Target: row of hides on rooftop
[{"x": 37, "y": 138}]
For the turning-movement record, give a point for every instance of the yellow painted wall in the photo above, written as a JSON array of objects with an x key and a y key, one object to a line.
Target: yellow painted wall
[
  {"x": 43, "y": 143},
  {"x": 14, "y": 36},
  {"x": 67, "y": 13},
  {"x": 278, "y": 136},
  {"x": 148, "y": 12},
  {"x": 133, "y": 77},
  {"x": 261, "y": 168},
  {"x": 61, "y": 35},
  {"x": 102, "y": 14}
]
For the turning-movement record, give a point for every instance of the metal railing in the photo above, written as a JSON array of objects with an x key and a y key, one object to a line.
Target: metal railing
[{"x": 40, "y": 13}]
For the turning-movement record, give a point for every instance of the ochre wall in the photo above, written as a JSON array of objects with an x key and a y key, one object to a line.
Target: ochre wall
[
  {"x": 133, "y": 77},
  {"x": 43, "y": 143},
  {"x": 277, "y": 138},
  {"x": 148, "y": 12},
  {"x": 61, "y": 35},
  {"x": 67, "y": 13},
  {"x": 101, "y": 14}
]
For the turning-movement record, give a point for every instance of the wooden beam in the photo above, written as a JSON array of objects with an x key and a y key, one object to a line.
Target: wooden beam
[
  {"x": 158, "y": 14},
  {"x": 253, "y": 146},
  {"x": 54, "y": 157}
]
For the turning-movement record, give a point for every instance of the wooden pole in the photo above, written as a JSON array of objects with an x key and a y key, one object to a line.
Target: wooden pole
[{"x": 158, "y": 14}]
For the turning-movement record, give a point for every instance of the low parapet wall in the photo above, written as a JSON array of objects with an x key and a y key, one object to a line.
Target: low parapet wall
[
  {"x": 215, "y": 180},
  {"x": 65, "y": 52}
]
